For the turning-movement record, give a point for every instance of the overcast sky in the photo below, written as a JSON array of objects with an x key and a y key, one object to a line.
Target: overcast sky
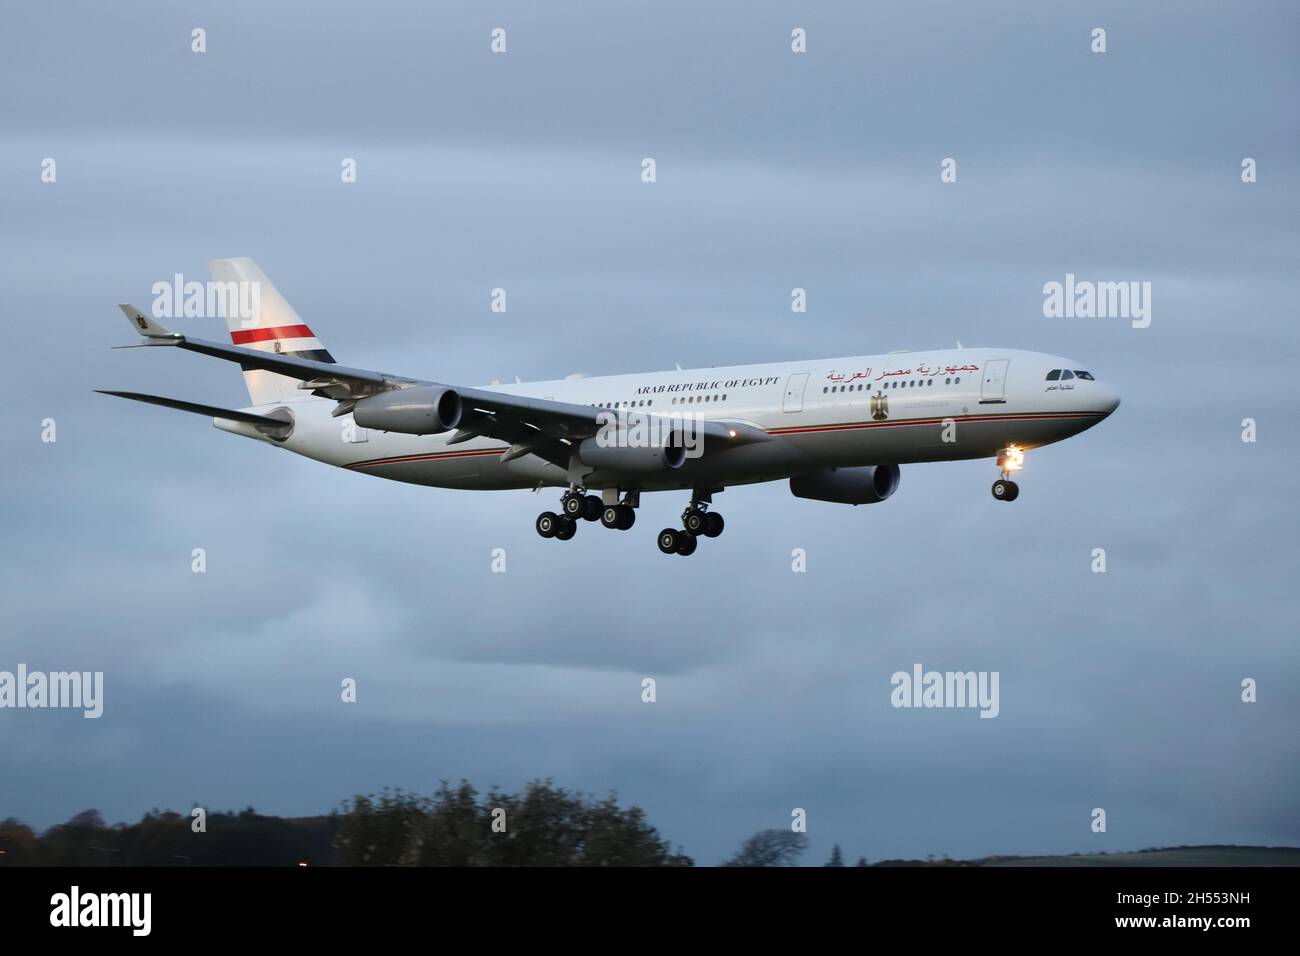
[{"x": 775, "y": 170}]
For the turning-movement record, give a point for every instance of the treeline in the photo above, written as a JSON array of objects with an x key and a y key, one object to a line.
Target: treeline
[
  {"x": 543, "y": 825},
  {"x": 165, "y": 838}
]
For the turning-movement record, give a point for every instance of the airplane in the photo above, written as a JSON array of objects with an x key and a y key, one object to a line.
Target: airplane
[{"x": 837, "y": 430}]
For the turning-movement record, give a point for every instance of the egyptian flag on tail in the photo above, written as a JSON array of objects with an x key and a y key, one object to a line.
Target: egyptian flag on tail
[{"x": 263, "y": 320}]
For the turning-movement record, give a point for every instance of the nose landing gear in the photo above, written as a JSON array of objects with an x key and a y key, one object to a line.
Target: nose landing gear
[{"x": 1011, "y": 459}]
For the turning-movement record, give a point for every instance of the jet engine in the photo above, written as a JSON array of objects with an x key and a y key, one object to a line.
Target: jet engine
[
  {"x": 424, "y": 410},
  {"x": 848, "y": 486},
  {"x": 649, "y": 457}
]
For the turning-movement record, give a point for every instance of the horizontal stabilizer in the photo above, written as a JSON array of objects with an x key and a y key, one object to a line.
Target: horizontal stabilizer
[{"x": 271, "y": 424}]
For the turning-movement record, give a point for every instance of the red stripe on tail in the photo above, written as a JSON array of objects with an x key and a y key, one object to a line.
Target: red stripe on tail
[{"x": 244, "y": 336}]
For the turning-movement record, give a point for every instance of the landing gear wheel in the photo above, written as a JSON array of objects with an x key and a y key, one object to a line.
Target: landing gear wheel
[
  {"x": 669, "y": 540},
  {"x": 592, "y": 506},
  {"x": 547, "y": 524},
  {"x": 1004, "y": 489},
  {"x": 713, "y": 524},
  {"x": 694, "y": 522},
  {"x": 686, "y": 543},
  {"x": 572, "y": 506},
  {"x": 565, "y": 528},
  {"x": 618, "y": 517}
]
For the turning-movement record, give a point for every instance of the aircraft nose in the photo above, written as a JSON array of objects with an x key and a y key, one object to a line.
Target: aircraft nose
[{"x": 1109, "y": 398}]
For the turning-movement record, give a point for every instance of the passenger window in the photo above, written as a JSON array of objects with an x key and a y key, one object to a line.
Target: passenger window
[
  {"x": 1054, "y": 375},
  {"x": 1086, "y": 376},
  {"x": 1066, "y": 375}
]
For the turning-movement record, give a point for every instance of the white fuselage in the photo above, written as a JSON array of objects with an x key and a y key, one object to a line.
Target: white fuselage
[{"x": 843, "y": 412}]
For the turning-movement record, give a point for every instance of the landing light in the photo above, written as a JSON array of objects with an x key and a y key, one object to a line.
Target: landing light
[
  {"x": 1013, "y": 459},
  {"x": 731, "y": 432}
]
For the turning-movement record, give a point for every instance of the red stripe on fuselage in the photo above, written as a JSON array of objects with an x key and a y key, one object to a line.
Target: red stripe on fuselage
[
  {"x": 437, "y": 456},
  {"x": 244, "y": 336},
  {"x": 1029, "y": 416},
  {"x": 802, "y": 430}
]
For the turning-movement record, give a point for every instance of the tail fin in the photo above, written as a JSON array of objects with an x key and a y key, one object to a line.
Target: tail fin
[{"x": 270, "y": 325}]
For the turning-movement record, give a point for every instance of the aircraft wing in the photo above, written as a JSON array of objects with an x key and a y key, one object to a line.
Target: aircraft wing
[
  {"x": 550, "y": 429},
  {"x": 542, "y": 427}
]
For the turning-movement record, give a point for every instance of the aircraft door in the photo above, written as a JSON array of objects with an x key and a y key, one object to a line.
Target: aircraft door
[
  {"x": 993, "y": 388},
  {"x": 794, "y": 388}
]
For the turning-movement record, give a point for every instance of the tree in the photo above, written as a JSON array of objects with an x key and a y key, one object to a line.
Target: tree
[
  {"x": 837, "y": 858},
  {"x": 82, "y": 841},
  {"x": 380, "y": 831},
  {"x": 862, "y": 861},
  {"x": 17, "y": 842},
  {"x": 770, "y": 848},
  {"x": 544, "y": 825},
  {"x": 87, "y": 819}
]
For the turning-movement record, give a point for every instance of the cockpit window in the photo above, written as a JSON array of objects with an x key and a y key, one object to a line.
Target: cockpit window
[
  {"x": 1086, "y": 376},
  {"x": 1053, "y": 375},
  {"x": 1066, "y": 375}
]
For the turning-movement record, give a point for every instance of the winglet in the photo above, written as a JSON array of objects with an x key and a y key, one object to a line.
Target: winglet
[{"x": 143, "y": 323}]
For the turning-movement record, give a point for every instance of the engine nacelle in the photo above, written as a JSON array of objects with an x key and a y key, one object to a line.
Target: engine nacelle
[
  {"x": 633, "y": 458},
  {"x": 426, "y": 410},
  {"x": 848, "y": 486}
]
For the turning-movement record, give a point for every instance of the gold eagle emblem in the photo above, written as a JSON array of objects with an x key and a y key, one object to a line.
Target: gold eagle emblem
[{"x": 879, "y": 406}]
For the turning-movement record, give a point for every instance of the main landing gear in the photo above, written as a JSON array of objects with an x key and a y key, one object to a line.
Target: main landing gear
[
  {"x": 619, "y": 515},
  {"x": 1010, "y": 459},
  {"x": 697, "y": 521},
  {"x": 577, "y": 505}
]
